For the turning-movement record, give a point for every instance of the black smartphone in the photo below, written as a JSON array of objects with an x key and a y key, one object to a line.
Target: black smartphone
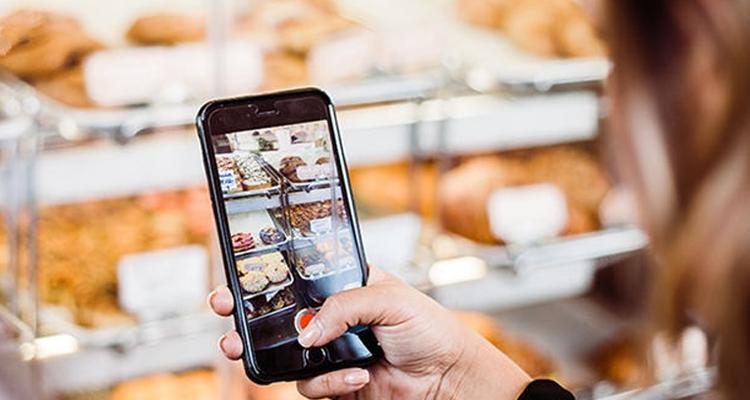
[{"x": 287, "y": 227}]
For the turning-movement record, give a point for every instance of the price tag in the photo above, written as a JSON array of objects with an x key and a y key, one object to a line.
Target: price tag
[
  {"x": 322, "y": 225},
  {"x": 312, "y": 172},
  {"x": 228, "y": 181},
  {"x": 526, "y": 214},
  {"x": 163, "y": 283}
]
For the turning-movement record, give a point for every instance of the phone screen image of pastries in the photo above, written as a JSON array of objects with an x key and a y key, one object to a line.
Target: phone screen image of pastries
[
  {"x": 288, "y": 167},
  {"x": 229, "y": 175},
  {"x": 312, "y": 219},
  {"x": 252, "y": 174},
  {"x": 260, "y": 306},
  {"x": 258, "y": 274},
  {"x": 270, "y": 235},
  {"x": 243, "y": 242}
]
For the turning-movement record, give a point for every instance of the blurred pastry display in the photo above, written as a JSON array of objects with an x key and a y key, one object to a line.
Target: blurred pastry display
[
  {"x": 167, "y": 29},
  {"x": 548, "y": 28},
  {"x": 526, "y": 355},
  {"x": 194, "y": 385},
  {"x": 38, "y": 44},
  {"x": 80, "y": 245},
  {"x": 464, "y": 191},
  {"x": 620, "y": 361},
  {"x": 409, "y": 188}
]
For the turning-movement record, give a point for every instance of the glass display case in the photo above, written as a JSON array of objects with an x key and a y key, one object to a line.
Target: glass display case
[{"x": 459, "y": 119}]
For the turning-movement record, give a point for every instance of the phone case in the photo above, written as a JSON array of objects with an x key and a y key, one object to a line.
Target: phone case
[{"x": 289, "y": 231}]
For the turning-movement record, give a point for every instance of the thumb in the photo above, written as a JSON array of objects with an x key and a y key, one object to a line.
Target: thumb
[{"x": 370, "y": 305}]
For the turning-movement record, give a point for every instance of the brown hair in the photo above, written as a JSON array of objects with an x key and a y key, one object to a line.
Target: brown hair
[{"x": 680, "y": 127}]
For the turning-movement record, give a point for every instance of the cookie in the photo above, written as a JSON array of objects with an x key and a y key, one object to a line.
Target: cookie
[{"x": 167, "y": 29}]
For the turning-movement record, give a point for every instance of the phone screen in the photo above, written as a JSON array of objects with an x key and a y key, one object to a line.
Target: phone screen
[{"x": 292, "y": 235}]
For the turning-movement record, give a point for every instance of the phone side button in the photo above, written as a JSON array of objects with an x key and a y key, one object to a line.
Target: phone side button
[{"x": 315, "y": 356}]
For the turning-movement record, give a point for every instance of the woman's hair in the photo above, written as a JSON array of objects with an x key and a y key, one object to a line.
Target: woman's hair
[{"x": 680, "y": 131}]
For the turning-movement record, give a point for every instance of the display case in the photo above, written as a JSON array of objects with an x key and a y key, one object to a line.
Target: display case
[{"x": 439, "y": 111}]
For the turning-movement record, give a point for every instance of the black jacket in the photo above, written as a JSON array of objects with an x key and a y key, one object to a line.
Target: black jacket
[{"x": 543, "y": 389}]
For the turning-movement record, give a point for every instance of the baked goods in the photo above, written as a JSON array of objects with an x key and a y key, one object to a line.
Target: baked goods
[
  {"x": 39, "y": 44},
  {"x": 259, "y": 307},
  {"x": 312, "y": 263},
  {"x": 254, "y": 281},
  {"x": 243, "y": 241},
  {"x": 253, "y": 175},
  {"x": 67, "y": 87},
  {"x": 276, "y": 273},
  {"x": 465, "y": 190},
  {"x": 302, "y": 216},
  {"x": 167, "y": 29},
  {"x": 229, "y": 176},
  {"x": 270, "y": 235},
  {"x": 527, "y": 356},
  {"x": 288, "y": 167},
  {"x": 283, "y": 70},
  {"x": 272, "y": 266},
  {"x": 194, "y": 385},
  {"x": 323, "y": 160},
  {"x": 548, "y": 28},
  {"x": 80, "y": 245}
]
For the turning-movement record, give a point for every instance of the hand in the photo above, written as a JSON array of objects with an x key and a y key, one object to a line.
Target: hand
[{"x": 428, "y": 353}]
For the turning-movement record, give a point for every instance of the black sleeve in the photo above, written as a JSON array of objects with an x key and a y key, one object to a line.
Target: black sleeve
[{"x": 544, "y": 389}]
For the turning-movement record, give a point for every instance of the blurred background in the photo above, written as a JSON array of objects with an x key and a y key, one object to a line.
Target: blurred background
[{"x": 473, "y": 126}]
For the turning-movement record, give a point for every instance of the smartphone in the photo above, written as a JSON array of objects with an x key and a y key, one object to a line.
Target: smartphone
[{"x": 287, "y": 227}]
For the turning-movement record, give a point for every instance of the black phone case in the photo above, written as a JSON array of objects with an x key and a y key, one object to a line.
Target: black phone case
[{"x": 220, "y": 217}]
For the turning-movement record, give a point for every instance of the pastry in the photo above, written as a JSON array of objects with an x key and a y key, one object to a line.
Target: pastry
[
  {"x": 298, "y": 35},
  {"x": 253, "y": 176},
  {"x": 40, "y": 44},
  {"x": 284, "y": 70},
  {"x": 167, "y": 29},
  {"x": 301, "y": 215},
  {"x": 243, "y": 241},
  {"x": 67, "y": 87},
  {"x": 270, "y": 235},
  {"x": 259, "y": 307},
  {"x": 288, "y": 167},
  {"x": 254, "y": 281},
  {"x": 276, "y": 273},
  {"x": 465, "y": 190},
  {"x": 323, "y": 160}
]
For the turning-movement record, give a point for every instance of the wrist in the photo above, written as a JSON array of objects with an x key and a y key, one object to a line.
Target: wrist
[{"x": 483, "y": 372}]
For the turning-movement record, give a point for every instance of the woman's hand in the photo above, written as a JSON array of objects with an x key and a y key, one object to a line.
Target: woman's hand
[{"x": 428, "y": 353}]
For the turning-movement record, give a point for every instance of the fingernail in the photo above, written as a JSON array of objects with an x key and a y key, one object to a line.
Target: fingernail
[
  {"x": 310, "y": 335},
  {"x": 211, "y": 298},
  {"x": 356, "y": 378},
  {"x": 221, "y": 343}
]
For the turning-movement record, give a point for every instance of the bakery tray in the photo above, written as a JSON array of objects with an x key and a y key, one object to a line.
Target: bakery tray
[
  {"x": 256, "y": 251},
  {"x": 127, "y": 122},
  {"x": 249, "y": 302},
  {"x": 307, "y": 252},
  {"x": 314, "y": 195},
  {"x": 274, "y": 189},
  {"x": 249, "y": 204},
  {"x": 272, "y": 287},
  {"x": 602, "y": 247}
]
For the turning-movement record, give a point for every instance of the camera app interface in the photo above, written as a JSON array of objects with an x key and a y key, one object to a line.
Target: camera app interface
[{"x": 290, "y": 229}]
